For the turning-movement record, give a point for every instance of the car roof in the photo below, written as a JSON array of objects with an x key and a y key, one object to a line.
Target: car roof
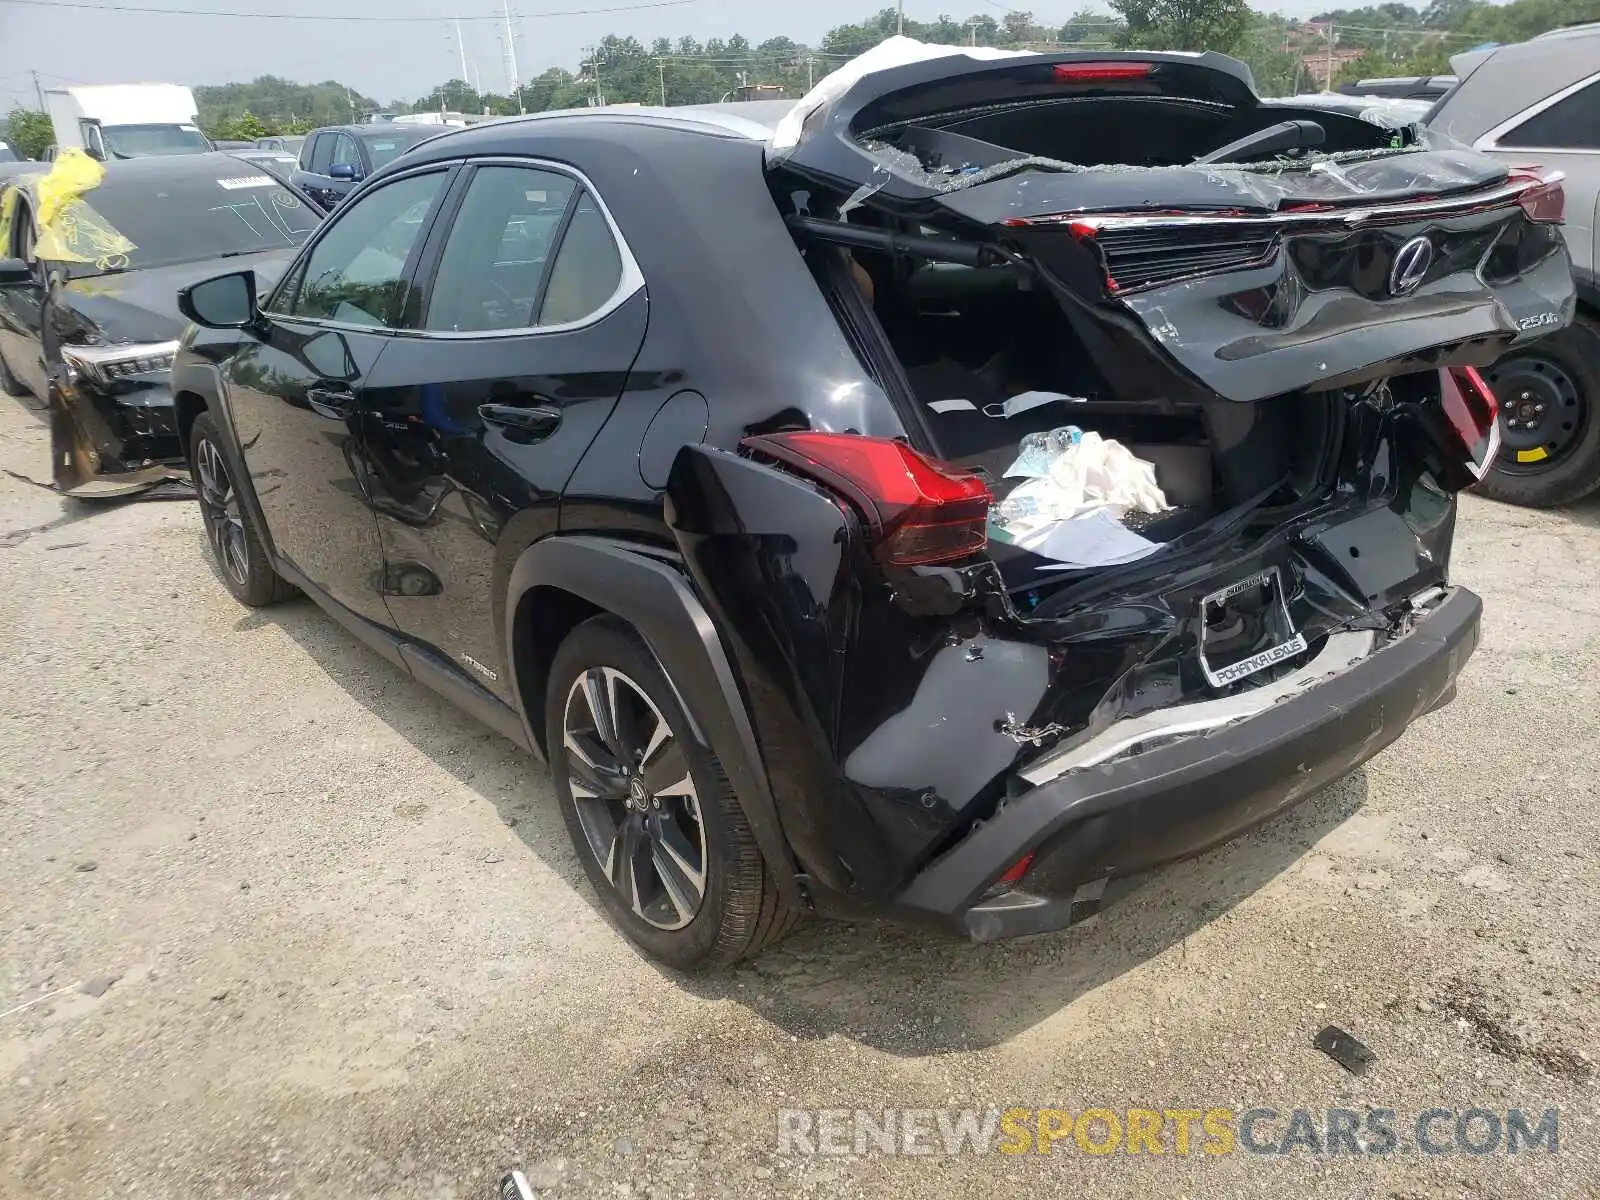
[{"x": 1498, "y": 84}]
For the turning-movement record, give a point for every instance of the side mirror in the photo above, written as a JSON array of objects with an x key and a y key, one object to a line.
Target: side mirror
[
  {"x": 346, "y": 171},
  {"x": 222, "y": 302},
  {"x": 15, "y": 273}
]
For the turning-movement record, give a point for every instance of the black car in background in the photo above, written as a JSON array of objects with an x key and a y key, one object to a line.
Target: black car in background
[
  {"x": 334, "y": 160},
  {"x": 88, "y": 314},
  {"x": 670, "y": 445}
]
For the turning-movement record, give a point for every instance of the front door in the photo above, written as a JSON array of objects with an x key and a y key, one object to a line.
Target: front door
[
  {"x": 531, "y": 313},
  {"x": 295, "y": 389}
]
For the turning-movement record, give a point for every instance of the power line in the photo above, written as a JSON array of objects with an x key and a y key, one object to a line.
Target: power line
[{"x": 272, "y": 16}]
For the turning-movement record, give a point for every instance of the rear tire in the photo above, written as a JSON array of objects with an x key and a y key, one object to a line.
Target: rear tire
[
  {"x": 237, "y": 550},
  {"x": 9, "y": 383},
  {"x": 1552, "y": 390},
  {"x": 651, "y": 814}
]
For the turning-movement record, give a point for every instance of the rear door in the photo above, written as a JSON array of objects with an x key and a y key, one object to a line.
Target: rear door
[
  {"x": 532, "y": 313},
  {"x": 294, "y": 390}
]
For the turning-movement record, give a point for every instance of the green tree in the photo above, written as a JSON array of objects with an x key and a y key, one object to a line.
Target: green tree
[
  {"x": 29, "y": 131},
  {"x": 1184, "y": 24},
  {"x": 1090, "y": 25}
]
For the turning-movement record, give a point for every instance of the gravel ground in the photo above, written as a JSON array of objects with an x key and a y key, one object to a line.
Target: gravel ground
[{"x": 285, "y": 924}]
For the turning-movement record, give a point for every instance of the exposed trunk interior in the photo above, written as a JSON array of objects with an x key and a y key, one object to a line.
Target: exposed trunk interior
[
  {"x": 970, "y": 338},
  {"x": 1145, "y": 131}
]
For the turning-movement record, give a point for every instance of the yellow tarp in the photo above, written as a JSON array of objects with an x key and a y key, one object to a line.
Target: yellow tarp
[{"x": 68, "y": 229}]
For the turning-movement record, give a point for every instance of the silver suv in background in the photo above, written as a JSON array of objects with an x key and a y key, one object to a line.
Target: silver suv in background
[{"x": 1538, "y": 102}]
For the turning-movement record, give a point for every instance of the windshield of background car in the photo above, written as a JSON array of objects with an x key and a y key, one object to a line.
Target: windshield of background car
[
  {"x": 191, "y": 219},
  {"x": 391, "y": 145},
  {"x": 144, "y": 141}
]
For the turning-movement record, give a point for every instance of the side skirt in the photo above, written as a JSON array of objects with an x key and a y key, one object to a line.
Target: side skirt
[{"x": 420, "y": 662}]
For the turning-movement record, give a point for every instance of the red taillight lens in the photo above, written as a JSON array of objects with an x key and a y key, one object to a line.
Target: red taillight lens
[
  {"x": 920, "y": 511},
  {"x": 1017, "y": 871},
  {"x": 1545, "y": 200},
  {"x": 1102, "y": 72},
  {"x": 1474, "y": 416}
]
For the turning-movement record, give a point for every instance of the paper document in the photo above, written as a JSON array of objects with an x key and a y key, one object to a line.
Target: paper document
[{"x": 1094, "y": 539}]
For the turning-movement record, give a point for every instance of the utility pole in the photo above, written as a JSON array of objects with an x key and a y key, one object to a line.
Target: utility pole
[
  {"x": 900, "y": 19},
  {"x": 972, "y": 28},
  {"x": 511, "y": 57},
  {"x": 38, "y": 91},
  {"x": 1328, "y": 83},
  {"x": 661, "y": 67},
  {"x": 811, "y": 72},
  {"x": 461, "y": 45}
]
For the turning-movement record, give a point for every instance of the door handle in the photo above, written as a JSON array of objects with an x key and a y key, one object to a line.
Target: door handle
[
  {"x": 537, "y": 421},
  {"x": 335, "y": 403}
]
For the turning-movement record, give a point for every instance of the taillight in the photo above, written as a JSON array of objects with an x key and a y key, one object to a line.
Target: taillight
[
  {"x": 1545, "y": 199},
  {"x": 918, "y": 511},
  {"x": 1473, "y": 413},
  {"x": 1017, "y": 870},
  {"x": 1102, "y": 72}
]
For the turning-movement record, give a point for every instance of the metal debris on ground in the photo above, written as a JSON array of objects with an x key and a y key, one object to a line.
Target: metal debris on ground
[{"x": 1345, "y": 1050}]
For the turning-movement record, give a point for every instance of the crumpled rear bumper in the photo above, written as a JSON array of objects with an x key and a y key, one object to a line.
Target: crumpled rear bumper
[{"x": 1093, "y": 830}]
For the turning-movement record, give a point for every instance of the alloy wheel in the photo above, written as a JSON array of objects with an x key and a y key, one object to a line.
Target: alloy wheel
[
  {"x": 219, "y": 506},
  {"x": 635, "y": 797}
]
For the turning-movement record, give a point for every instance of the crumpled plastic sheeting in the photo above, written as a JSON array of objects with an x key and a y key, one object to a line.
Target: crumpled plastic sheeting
[
  {"x": 895, "y": 52},
  {"x": 1390, "y": 112},
  {"x": 69, "y": 230},
  {"x": 1070, "y": 473}
]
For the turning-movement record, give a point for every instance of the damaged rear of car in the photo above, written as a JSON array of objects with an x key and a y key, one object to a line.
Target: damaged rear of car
[{"x": 976, "y": 710}]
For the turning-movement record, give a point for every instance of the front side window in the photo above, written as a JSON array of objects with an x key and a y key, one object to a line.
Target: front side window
[
  {"x": 1570, "y": 124},
  {"x": 498, "y": 249},
  {"x": 344, "y": 151},
  {"x": 356, "y": 273}
]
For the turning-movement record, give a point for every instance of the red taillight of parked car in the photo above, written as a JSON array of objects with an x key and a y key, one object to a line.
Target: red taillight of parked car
[
  {"x": 1545, "y": 200},
  {"x": 1473, "y": 413},
  {"x": 919, "y": 511}
]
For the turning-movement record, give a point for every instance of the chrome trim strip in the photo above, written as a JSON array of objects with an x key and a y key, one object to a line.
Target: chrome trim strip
[
  {"x": 1340, "y": 652},
  {"x": 632, "y": 280},
  {"x": 1503, "y": 194}
]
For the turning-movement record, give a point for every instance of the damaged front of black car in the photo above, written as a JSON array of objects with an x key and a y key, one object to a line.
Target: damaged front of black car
[
  {"x": 94, "y": 256},
  {"x": 1282, "y": 309}
]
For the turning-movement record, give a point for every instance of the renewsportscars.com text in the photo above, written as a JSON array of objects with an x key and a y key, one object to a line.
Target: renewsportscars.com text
[{"x": 1209, "y": 1132}]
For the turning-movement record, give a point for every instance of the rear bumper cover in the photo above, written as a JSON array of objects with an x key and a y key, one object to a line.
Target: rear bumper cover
[{"x": 1093, "y": 830}]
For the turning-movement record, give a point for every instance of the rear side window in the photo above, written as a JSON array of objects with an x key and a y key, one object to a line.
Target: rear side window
[
  {"x": 587, "y": 269},
  {"x": 1571, "y": 124},
  {"x": 529, "y": 247},
  {"x": 356, "y": 273}
]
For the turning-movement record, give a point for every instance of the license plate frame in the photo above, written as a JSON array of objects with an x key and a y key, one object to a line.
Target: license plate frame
[{"x": 1288, "y": 642}]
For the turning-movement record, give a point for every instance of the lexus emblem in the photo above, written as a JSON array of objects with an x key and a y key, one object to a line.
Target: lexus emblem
[{"x": 1410, "y": 268}]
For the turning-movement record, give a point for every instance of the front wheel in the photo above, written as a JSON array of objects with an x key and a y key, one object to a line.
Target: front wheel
[
  {"x": 236, "y": 546},
  {"x": 9, "y": 383},
  {"x": 1549, "y": 398},
  {"x": 655, "y": 822}
]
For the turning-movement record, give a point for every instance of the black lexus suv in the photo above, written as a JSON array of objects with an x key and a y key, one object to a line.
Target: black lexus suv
[{"x": 672, "y": 444}]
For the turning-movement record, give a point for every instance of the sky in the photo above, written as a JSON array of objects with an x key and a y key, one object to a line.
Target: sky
[{"x": 390, "y": 60}]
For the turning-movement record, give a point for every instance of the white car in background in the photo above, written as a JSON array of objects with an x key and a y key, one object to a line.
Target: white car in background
[{"x": 1538, "y": 102}]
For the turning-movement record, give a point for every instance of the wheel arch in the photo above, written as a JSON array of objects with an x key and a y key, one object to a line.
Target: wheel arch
[
  {"x": 187, "y": 406},
  {"x": 581, "y": 577}
]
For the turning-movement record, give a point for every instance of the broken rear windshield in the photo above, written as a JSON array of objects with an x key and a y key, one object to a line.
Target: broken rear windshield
[{"x": 186, "y": 220}]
